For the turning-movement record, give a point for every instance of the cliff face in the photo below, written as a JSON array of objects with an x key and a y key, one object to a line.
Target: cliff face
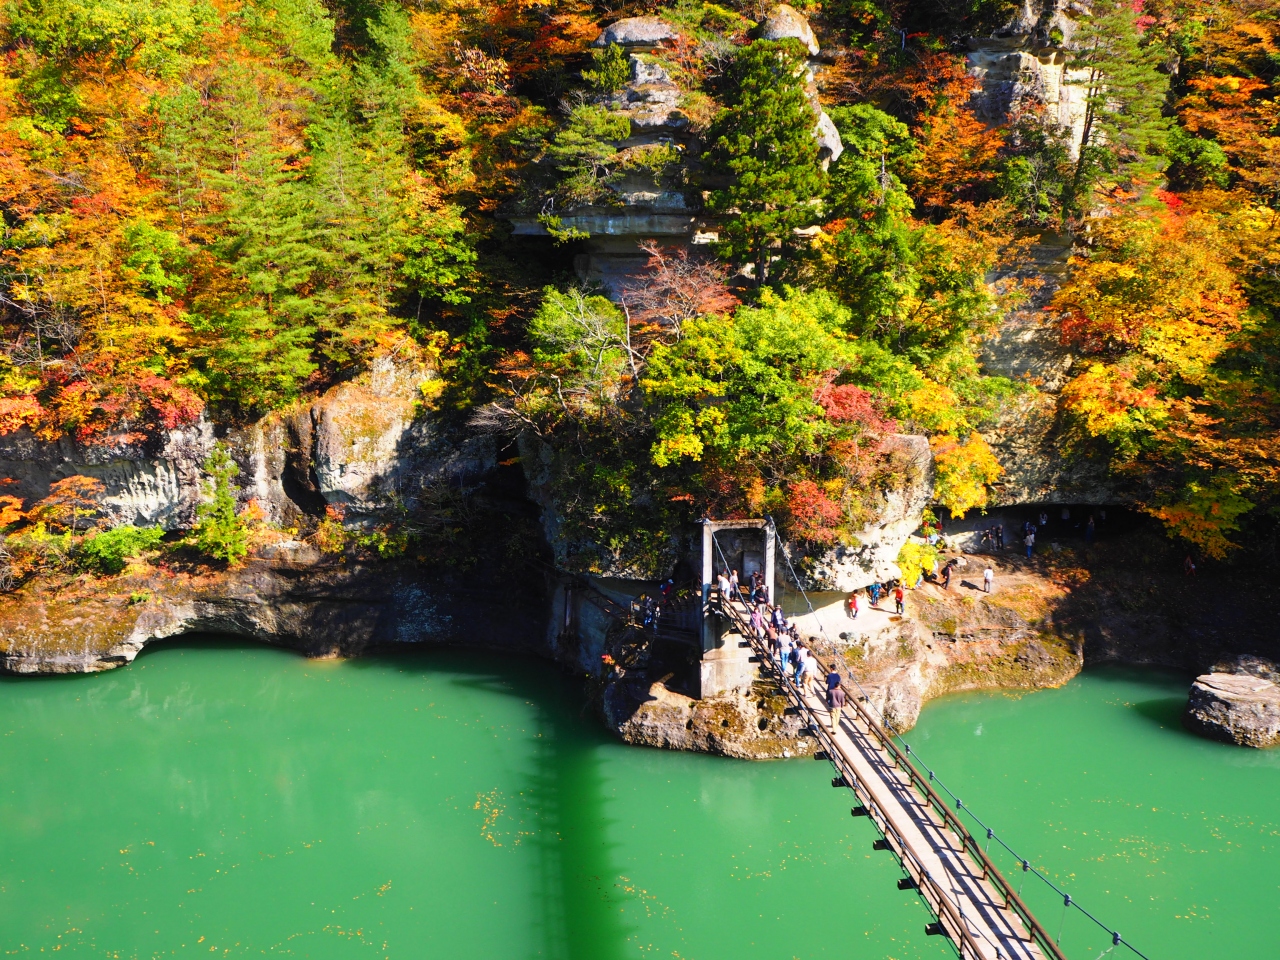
[
  {"x": 360, "y": 446},
  {"x": 1023, "y": 67}
]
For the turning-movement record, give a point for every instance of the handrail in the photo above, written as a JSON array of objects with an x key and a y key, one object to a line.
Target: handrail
[{"x": 1038, "y": 934}]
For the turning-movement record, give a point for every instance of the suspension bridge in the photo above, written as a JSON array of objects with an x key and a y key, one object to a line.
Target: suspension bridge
[{"x": 976, "y": 906}]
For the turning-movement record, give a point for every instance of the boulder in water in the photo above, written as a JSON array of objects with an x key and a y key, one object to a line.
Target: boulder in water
[{"x": 1237, "y": 708}]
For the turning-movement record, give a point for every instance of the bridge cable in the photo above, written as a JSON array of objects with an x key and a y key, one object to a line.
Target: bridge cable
[{"x": 1116, "y": 939}]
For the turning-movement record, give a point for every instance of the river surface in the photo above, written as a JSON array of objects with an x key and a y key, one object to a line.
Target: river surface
[{"x": 216, "y": 799}]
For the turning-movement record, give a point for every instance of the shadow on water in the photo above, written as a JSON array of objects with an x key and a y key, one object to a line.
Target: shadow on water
[
  {"x": 1165, "y": 711},
  {"x": 577, "y": 883}
]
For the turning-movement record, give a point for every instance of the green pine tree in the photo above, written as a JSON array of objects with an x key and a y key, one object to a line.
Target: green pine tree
[
  {"x": 764, "y": 145},
  {"x": 219, "y": 533},
  {"x": 1124, "y": 125}
]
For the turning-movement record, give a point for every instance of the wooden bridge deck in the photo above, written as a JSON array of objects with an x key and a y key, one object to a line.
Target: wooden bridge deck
[{"x": 974, "y": 904}]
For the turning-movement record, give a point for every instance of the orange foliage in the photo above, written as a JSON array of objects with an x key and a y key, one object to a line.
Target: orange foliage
[
  {"x": 70, "y": 500},
  {"x": 10, "y": 511}
]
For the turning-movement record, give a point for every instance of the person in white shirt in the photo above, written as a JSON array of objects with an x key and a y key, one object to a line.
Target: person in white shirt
[{"x": 987, "y": 576}]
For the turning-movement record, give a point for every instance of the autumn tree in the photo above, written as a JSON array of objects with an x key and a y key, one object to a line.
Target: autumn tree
[
  {"x": 70, "y": 500},
  {"x": 219, "y": 533},
  {"x": 1172, "y": 393},
  {"x": 675, "y": 287},
  {"x": 763, "y": 143}
]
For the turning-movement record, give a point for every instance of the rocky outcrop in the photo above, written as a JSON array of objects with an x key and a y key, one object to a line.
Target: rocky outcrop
[
  {"x": 145, "y": 484},
  {"x": 874, "y": 558},
  {"x": 1237, "y": 708},
  {"x": 360, "y": 445},
  {"x": 293, "y": 598},
  {"x": 958, "y": 639},
  {"x": 636, "y": 32},
  {"x": 787, "y": 22},
  {"x": 641, "y": 204},
  {"x": 756, "y": 727},
  {"x": 1022, "y": 68}
]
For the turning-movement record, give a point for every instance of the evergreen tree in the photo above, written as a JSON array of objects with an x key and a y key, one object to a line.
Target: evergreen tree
[
  {"x": 1125, "y": 93},
  {"x": 219, "y": 533},
  {"x": 765, "y": 145}
]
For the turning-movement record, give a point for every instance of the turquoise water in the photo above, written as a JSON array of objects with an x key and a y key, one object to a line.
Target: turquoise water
[
  {"x": 245, "y": 801},
  {"x": 213, "y": 799},
  {"x": 1171, "y": 839}
]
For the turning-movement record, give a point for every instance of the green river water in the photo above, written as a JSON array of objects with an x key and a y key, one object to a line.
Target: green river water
[{"x": 221, "y": 800}]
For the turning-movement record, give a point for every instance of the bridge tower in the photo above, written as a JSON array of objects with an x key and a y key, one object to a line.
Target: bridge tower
[{"x": 746, "y": 546}]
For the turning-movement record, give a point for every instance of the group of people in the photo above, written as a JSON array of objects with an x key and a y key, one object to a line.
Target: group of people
[
  {"x": 1030, "y": 528},
  {"x": 874, "y": 593},
  {"x": 791, "y": 655}
]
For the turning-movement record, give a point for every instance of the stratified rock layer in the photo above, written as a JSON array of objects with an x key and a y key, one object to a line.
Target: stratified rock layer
[{"x": 1237, "y": 708}]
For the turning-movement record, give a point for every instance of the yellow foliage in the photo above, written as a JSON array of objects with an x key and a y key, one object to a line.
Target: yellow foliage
[
  {"x": 1205, "y": 515},
  {"x": 964, "y": 471},
  {"x": 935, "y": 408}
]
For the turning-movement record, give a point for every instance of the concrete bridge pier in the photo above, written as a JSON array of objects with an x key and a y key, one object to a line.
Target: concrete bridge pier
[{"x": 745, "y": 546}]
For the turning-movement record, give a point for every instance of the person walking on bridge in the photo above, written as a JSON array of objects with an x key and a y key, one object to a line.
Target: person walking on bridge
[
  {"x": 735, "y": 590},
  {"x": 785, "y": 646},
  {"x": 797, "y": 661},
  {"x": 835, "y": 701},
  {"x": 808, "y": 672},
  {"x": 722, "y": 585}
]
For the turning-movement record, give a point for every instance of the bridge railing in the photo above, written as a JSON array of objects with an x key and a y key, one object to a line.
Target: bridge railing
[{"x": 941, "y": 900}]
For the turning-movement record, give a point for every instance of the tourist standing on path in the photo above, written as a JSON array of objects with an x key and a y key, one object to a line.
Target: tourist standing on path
[
  {"x": 1089, "y": 529},
  {"x": 855, "y": 605},
  {"x": 1031, "y": 543},
  {"x": 1044, "y": 519},
  {"x": 999, "y": 536},
  {"x": 899, "y": 599},
  {"x": 946, "y": 576},
  {"x": 987, "y": 576},
  {"x": 874, "y": 590}
]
